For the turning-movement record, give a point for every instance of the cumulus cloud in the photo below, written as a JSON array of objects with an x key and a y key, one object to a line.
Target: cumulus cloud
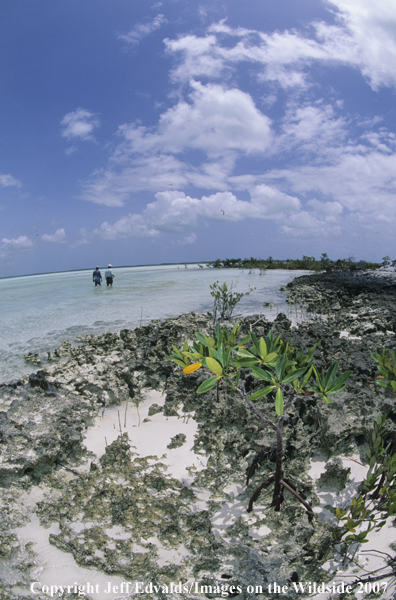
[
  {"x": 359, "y": 181},
  {"x": 127, "y": 226},
  {"x": 203, "y": 141},
  {"x": 141, "y": 30},
  {"x": 15, "y": 245},
  {"x": 79, "y": 124},
  {"x": 21, "y": 242},
  {"x": 219, "y": 123},
  {"x": 9, "y": 181},
  {"x": 214, "y": 120},
  {"x": 175, "y": 212},
  {"x": 58, "y": 237}
]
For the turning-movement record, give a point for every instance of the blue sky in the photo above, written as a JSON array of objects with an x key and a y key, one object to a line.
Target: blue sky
[{"x": 137, "y": 132}]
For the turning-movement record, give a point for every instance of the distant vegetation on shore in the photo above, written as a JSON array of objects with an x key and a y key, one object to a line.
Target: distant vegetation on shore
[{"x": 306, "y": 262}]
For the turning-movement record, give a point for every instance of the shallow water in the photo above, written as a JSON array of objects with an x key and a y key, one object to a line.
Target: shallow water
[{"x": 38, "y": 312}]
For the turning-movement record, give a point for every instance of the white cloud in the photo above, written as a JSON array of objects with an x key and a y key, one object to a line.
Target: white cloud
[
  {"x": 364, "y": 38},
  {"x": 12, "y": 246},
  {"x": 58, "y": 237},
  {"x": 203, "y": 140},
  {"x": 308, "y": 225},
  {"x": 174, "y": 212},
  {"x": 359, "y": 181},
  {"x": 128, "y": 226},
  {"x": 141, "y": 30},
  {"x": 219, "y": 123},
  {"x": 214, "y": 121},
  {"x": 21, "y": 242},
  {"x": 79, "y": 124},
  {"x": 188, "y": 240},
  {"x": 71, "y": 150},
  {"x": 112, "y": 187},
  {"x": 312, "y": 128},
  {"x": 200, "y": 57},
  {"x": 371, "y": 27},
  {"x": 8, "y": 181}
]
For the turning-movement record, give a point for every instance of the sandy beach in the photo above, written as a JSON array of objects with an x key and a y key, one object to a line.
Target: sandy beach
[{"x": 118, "y": 480}]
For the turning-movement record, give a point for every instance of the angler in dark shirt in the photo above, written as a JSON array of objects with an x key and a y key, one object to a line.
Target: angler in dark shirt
[{"x": 97, "y": 277}]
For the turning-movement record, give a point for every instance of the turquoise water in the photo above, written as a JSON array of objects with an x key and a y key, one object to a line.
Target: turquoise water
[{"x": 40, "y": 311}]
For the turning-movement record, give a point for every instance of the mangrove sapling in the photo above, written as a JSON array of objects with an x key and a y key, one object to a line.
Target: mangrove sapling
[
  {"x": 376, "y": 501},
  {"x": 225, "y": 300},
  {"x": 288, "y": 373}
]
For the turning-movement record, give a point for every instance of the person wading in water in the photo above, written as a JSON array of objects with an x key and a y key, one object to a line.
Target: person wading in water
[
  {"x": 97, "y": 277},
  {"x": 109, "y": 276}
]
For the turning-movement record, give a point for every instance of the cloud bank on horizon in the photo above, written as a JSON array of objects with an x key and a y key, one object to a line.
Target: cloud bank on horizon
[{"x": 237, "y": 137}]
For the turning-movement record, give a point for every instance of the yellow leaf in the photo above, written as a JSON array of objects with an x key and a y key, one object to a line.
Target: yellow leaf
[{"x": 192, "y": 368}]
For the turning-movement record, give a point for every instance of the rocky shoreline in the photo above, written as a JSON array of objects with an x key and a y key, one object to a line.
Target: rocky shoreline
[{"x": 44, "y": 420}]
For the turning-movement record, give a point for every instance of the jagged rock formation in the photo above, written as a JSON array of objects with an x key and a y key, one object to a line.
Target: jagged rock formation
[{"x": 44, "y": 419}]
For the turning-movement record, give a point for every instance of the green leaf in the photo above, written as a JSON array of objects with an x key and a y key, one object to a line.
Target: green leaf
[
  {"x": 339, "y": 383},
  {"x": 176, "y": 360},
  {"x": 214, "y": 366},
  {"x": 202, "y": 338},
  {"x": 207, "y": 385},
  {"x": 384, "y": 384},
  {"x": 179, "y": 354},
  {"x": 263, "y": 392},
  {"x": 270, "y": 357},
  {"x": 384, "y": 372},
  {"x": 245, "y": 340},
  {"x": 195, "y": 355},
  {"x": 255, "y": 342},
  {"x": 247, "y": 362},
  {"x": 306, "y": 377},
  {"x": 260, "y": 373},
  {"x": 319, "y": 379},
  {"x": 263, "y": 348},
  {"x": 220, "y": 355},
  {"x": 279, "y": 402},
  {"x": 242, "y": 352},
  {"x": 293, "y": 375},
  {"x": 330, "y": 375},
  {"x": 281, "y": 366},
  {"x": 229, "y": 383}
]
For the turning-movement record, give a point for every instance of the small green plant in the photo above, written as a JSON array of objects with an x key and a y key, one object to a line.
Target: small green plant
[
  {"x": 376, "y": 501},
  {"x": 225, "y": 300},
  {"x": 286, "y": 373},
  {"x": 386, "y": 361}
]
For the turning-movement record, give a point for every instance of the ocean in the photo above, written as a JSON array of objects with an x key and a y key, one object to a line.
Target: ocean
[{"x": 38, "y": 312}]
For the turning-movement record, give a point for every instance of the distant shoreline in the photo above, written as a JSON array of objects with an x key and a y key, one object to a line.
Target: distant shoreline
[
  {"x": 308, "y": 263},
  {"x": 92, "y": 268}
]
